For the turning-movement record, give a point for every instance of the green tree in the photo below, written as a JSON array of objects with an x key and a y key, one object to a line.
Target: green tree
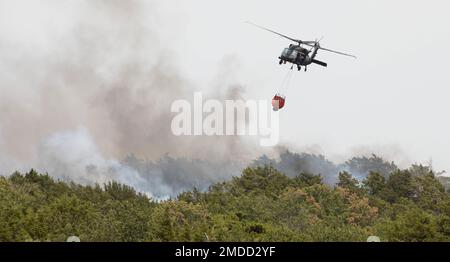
[
  {"x": 375, "y": 183},
  {"x": 347, "y": 181},
  {"x": 179, "y": 221},
  {"x": 412, "y": 225},
  {"x": 306, "y": 179},
  {"x": 399, "y": 184}
]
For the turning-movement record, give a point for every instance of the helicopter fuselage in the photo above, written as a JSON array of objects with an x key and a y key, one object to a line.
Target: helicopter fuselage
[
  {"x": 296, "y": 55},
  {"x": 300, "y": 56}
]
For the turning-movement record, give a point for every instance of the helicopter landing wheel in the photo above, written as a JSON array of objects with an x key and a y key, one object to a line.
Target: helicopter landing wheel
[{"x": 299, "y": 68}]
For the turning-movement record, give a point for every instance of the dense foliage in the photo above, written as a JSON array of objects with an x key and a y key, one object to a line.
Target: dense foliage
[{"x": 261, "y": 205}]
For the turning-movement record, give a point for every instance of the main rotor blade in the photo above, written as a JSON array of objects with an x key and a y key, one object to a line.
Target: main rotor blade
[
  {"x": 287, "y": 37},
  {"x": 337, "y": 52},
  {"x": 309, "y": 43}
]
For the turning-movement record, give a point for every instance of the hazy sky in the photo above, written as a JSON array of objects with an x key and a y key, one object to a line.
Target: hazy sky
[{"x": 392, "y": 100}]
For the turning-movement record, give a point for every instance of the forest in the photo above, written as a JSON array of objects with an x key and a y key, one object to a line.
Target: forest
[{"x": 262, "y": 204}]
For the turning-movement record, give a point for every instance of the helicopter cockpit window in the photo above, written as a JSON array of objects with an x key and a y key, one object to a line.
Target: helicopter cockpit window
[{"x": 286, "y": 52}]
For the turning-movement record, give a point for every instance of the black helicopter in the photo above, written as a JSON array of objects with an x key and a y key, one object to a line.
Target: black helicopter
[{"x": 298, "y": 55}]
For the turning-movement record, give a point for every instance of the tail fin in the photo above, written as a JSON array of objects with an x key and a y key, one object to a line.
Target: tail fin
[{"x": 319, "y": 62}]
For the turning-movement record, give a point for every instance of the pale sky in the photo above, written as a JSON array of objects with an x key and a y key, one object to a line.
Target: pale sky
[{"x": 392, "y": 100}]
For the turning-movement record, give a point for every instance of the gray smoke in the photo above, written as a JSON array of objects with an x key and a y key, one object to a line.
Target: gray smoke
[
  {"x": 90, "y": 82},
  {"x": 85, "y": 83}
]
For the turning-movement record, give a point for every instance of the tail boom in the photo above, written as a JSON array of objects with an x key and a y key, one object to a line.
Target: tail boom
[{"x": 319, "y": 62}]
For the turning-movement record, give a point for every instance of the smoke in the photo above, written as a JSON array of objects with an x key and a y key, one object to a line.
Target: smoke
[
  {"x": 86, "y": 83},
  {"x": 74, "y": 156}
]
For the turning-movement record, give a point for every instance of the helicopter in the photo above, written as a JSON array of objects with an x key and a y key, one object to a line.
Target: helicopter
[{"x": 297, "y": 54}]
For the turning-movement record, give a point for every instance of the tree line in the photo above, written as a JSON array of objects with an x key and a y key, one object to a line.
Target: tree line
[{"x": 262, "y": 204}]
